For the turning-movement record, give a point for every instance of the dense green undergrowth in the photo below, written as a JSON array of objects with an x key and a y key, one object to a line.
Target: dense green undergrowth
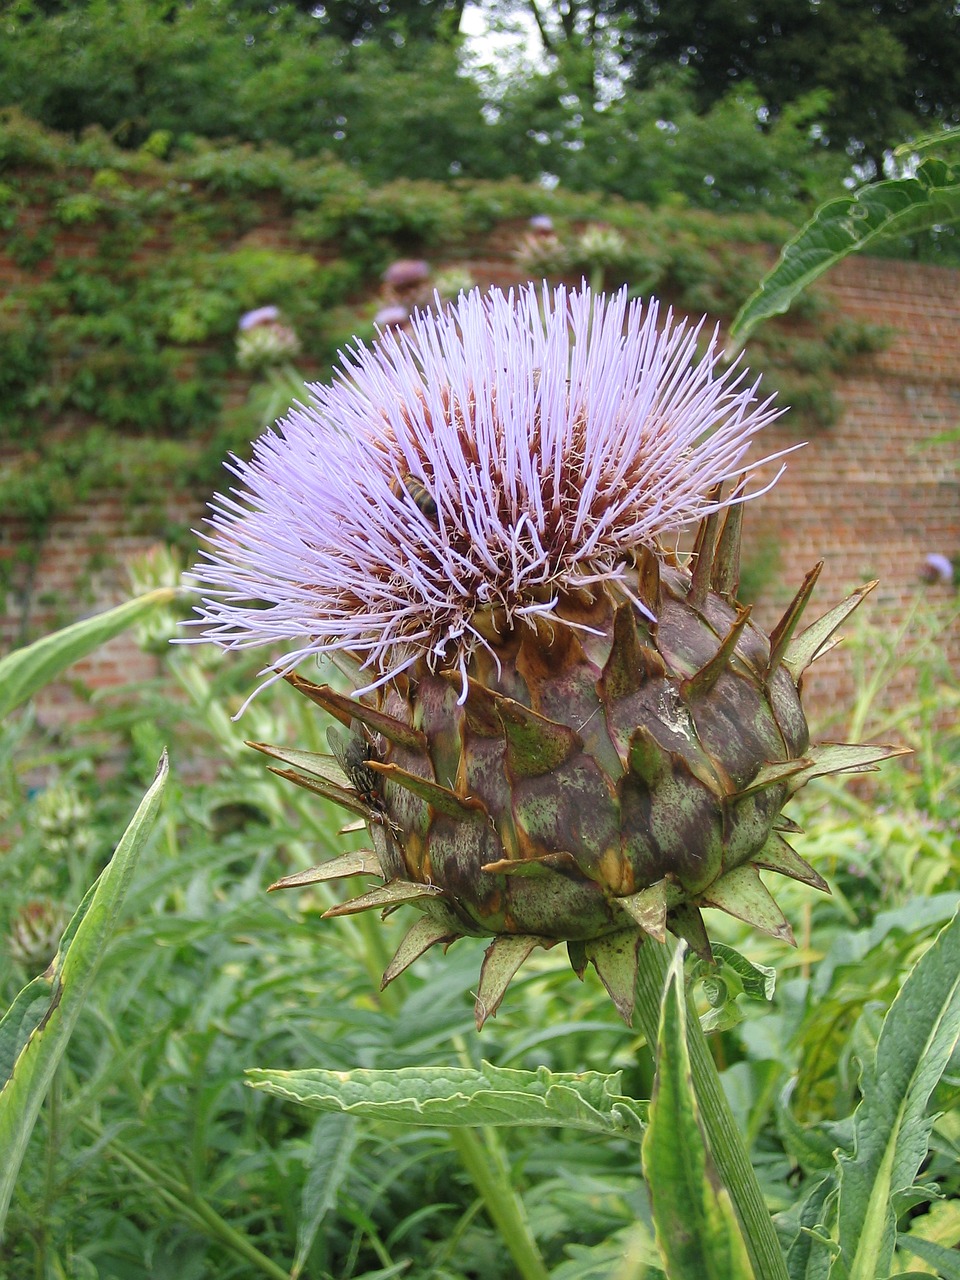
[{"x": 151, "y": 1156}]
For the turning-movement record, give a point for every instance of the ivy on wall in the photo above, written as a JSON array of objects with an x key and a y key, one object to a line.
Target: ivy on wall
[{"x": 126, "y": 273}]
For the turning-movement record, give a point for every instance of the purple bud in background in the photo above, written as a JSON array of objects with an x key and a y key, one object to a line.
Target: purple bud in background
[
  {"x": 937, "y": 568},
  {"x": 262, "y": 315}
]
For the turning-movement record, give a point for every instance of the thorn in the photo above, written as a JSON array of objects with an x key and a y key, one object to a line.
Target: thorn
[
  {"x": 577, "y": 955},
  {"x": 540, "y": 865},
  {"x": 502, "y": 959},
  {"x": 648, "y": 580},
  {"x": 535, "y": 745},
  {"x": 347, "y": 709},
  {"x": 362, "y": 862},
  {"x": 771, "y": 775},
  {"x": 630, "y": 663},
  {"x": 843, "y": 757},
  {"x": 742, "y": 894},
  {"x": 686, "y": 922},
  {"x": 725, "y": 576},
  {"x": 814, "y": 642},
  {"x": 329, "y": 791},
  {"x": 703, "y": 550},
  {"x": 777, "y": 855},
  {"x": 781, "y": 633},
  {"x": 441, "y": 799},
  {"x": 616, "y": 959},
  {"x": 700, "y": 684},
  {"x": 393, "y": 894},
  {"x": 649, "y": 909},
  {"x": 423, "y": 935}
]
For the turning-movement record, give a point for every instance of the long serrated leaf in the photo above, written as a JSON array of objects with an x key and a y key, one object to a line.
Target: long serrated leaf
[
  {"x": 848, "y": 224},
  {"x": 26, "y": 670},
  {"x": 696, "y": 1224},
  {"x": 452, "y": 1096},
  {"x": 891, "y": 1126},
  {"x": 331, "y": 1146},
  {"x": 30, "y": 1056}
]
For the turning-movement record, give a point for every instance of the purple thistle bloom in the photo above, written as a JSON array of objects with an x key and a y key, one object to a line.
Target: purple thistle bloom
[{"x": 501, "y": 454}]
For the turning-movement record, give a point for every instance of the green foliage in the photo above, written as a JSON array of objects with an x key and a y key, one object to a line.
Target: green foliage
[
  {"x": 448, "y": 1097},
  {"x": 153, "y": 1149},
  {"x": 896, "y": 207},
  {"x": 36, "y": 1029},
  {"x": 26, "y": 670},
  {"x": 696, "y": 1224}
]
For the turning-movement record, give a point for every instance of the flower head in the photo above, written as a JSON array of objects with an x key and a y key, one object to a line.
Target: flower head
[
  {"x": 937, "y": 568},
  {"x": 392, "y": 317},
  {"x": 468, "y": 474},
  {"x": 262, "y": 315}
]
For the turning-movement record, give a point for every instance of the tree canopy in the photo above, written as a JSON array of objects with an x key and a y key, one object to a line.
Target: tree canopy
[{"x": 891, "y": 68}]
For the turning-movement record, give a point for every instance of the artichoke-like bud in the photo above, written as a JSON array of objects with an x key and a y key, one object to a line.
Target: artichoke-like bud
[
  {"x": 35, "y": 933},
  {"x": 264, "y": 339},
  {"x": 558, "y": 731}
]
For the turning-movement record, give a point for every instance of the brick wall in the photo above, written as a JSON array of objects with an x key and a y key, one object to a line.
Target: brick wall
[{"x": 868, "y": 496}]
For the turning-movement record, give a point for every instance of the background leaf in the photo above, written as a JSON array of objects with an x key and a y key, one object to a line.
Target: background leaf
[
  {"x": 947, "y": 1261},
  {"x": 848, "y": 224},
  {"x": 332, "y": 1144},
  {"x": 26, "y": 670},
  {"x": 29, "y": 1060}
]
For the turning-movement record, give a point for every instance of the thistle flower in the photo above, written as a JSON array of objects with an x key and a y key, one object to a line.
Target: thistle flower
[
  {"x": 392, "y": 317},
  {"x": 265, "y": 340},
  {"x": 407, "y": 281},
  {"x": 937, "y": 568},
  {"x": 541, "y": 252},
  {"x": 35, "y": 933},
  {"x": 261, "y": 315},
  {"x": 600, "y": 246},
  {"x": 558, "y": 732}
]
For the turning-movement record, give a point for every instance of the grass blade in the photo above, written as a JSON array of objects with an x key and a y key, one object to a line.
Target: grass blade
[{"x": 35, "y": 1030}]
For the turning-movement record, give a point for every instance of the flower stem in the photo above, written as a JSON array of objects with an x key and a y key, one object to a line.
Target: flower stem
[
  {"x": 726, "y": 1143},
  {"x": 487, "y": 1169}
]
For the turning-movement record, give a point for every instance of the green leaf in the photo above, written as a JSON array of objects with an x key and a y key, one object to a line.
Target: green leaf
[
  {"x": 454, "y": 1096},
  {"x": 35, "y": 1030},
  {"x": 26, "y": 670},
  {"x": 696, "y": 1225},
  {"x": 848, "y": 224},
  {"x": 332, "y": 1144},
  {"x": 808, "y": 1257},
  {"x": 891, "y": 1126},
  {"x": 947, "y": 1261}
]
